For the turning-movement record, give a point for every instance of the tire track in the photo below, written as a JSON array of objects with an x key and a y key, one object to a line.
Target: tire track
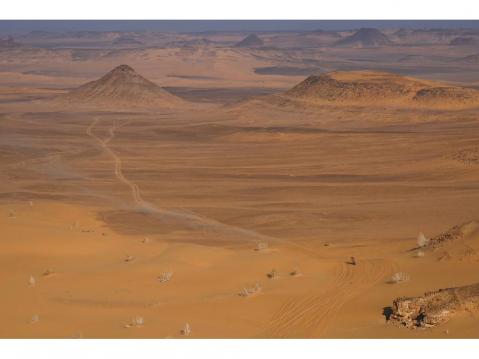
[
  {"x": 135, "y": 191},
  {"x": 310, "y": 316}
]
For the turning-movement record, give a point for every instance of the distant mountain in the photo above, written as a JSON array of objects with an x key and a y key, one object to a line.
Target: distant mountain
[
  {"x": 470, "y": 59},
  {"x": 365, "y": 37},
  {"x": 250, "y": 41},
  {"x": 433, "y": 36},
  {"x": 8, "y": 43},
  {"x": 192, "y": 42},
  {"x": 463, "y": 41},
  {"x": 127, "y": 41}
]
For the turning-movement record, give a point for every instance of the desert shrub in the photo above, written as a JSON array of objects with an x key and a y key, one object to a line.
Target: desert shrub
[
  {"x": 165, "y": 277},
  {"x": 129, "y": 259},
  {"x": 295, "y": 273},
  {"x": 273, "y": 274},
  {"x": 247, "y": 292},
  {"x": 32, "y": 281},
  {"x": 261, "y": 246},
  {"x": 399, "y": 277},
  {"x": 186, "y": 330},
  {"x": 422, "y": 241},
  {"x": 135, "y": 322},
  {"x": 48, "y": 272},
  {"x": 419, "y": 254}
]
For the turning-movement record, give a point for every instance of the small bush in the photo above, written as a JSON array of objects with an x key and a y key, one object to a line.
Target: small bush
[
  {"x": 419, "y": 254},
  {"x": 273, "y": 274},
  {"x": 422, "y": 241},
  {"x": 261, "y": 246},
  {"x": 129, "y": 259},
  {"x": 186, "y": 330},
  {"x": 165, "y": 277},
  {"x": 48, "y": 272},
  {"x": 32, "y": 281},
  {"x": 399, "y": 277},
  {"x": 135, "y": 322},
  {"x": 295, "y": 273},
  {"x": 247, "y": 292}
]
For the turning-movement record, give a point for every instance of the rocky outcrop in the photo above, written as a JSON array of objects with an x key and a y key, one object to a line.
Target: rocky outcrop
[
  {"x": 372, "y": 88},
  {"x": 456, "y": 95},
  {"x": 434, "y": 308},
  {"x": 455, "y": 233}
]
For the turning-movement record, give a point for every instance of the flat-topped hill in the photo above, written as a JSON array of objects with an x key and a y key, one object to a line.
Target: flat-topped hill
[{"x": 380, "y": 88}]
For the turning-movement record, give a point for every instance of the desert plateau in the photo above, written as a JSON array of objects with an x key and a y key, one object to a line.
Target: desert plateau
[{"x": 227, "y": 184}]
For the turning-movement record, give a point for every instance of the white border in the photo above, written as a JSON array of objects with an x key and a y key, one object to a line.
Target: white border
[
  {"x": 237, "y": 349},
  {"x": 240, "y": 9}
]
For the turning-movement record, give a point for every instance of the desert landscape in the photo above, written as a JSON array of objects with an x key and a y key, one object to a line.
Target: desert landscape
[{"x": 223, "y": 184}]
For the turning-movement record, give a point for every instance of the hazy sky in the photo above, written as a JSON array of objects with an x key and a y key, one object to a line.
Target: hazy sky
[{"x": 20, "y": 26}]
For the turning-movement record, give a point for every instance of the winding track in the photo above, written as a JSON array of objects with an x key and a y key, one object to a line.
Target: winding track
[
  {"x": 135, "y": 191},
  {"x": 192, "y": 218}
]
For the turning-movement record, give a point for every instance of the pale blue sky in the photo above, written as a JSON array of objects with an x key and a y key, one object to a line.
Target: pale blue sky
[{"x": 20, "y": 26}]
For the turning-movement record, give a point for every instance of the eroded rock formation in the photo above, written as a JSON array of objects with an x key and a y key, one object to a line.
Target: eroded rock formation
[{"x": 434, "y": 308}]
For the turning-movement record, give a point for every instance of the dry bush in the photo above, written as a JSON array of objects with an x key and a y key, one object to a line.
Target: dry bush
[
  {"x": 247, "y": 292},
  {"x": 165, "y": 277},
  {"x": 48, "y": 272},
  {"x": 399, "y": 277},
  {"x": 32, "y": 281},
  {"x": 273, "y": 274},
  {"x": 261, "y": 246},
  {"x": 129, "y": 259},
  {"x": 422, "y": 241},
  {"x": 419, "y": 254},
  {"x": 34, "y": 319},
  {"x": 186, "y": 330},
  {"x": 135, "y": 322},
  {"x": 295, "y": 273}
]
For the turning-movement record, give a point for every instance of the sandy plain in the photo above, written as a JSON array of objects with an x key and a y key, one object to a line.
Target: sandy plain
[{"x": 96, "y": 204}]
